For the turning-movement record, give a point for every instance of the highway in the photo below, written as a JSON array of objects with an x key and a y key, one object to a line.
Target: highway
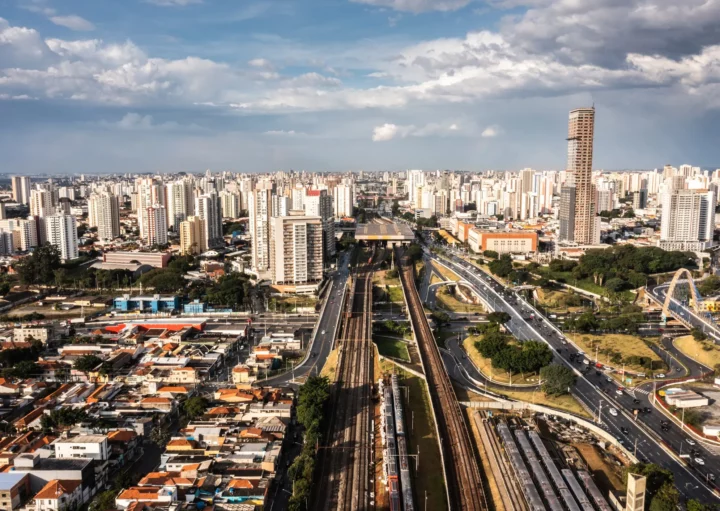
[
  {"x": 688, "y": 315},
  {"x": 322, "y": 343},
  {"x": 594, "y": 391}
]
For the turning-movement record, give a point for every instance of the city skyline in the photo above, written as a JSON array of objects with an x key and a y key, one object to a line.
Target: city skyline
[{"x": 182, "y": 85}]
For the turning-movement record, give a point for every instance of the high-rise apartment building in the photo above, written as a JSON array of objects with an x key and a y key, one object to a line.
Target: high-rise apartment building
[
  {"x": 61, "y": 231},
  {"x": 296, "y": 245},
  {"x": 155, "y": 229},
  {"x": 343, "y": 195},
  {"x": 41, "y": 203},
  {"x": 180, "y": 202},
  {"x": 21, "y": 189},
  {"x": 230, "y": 204},
  {"x": 581, "y": 128},
  {"x": 193, "y": 239},
  {"x": 687, "y": 220},
  {"x": 567, "y": 213},
  {"x": 281, "y": 205},
  {"x": 149, "y": 194},
  {"x": 259, "y": 206},
  {"x": 207, "y": 207},
  {"x": 319, "y": 203},
  {"x": 640, "y": 198},
  {"x": 104, "y": 213}
]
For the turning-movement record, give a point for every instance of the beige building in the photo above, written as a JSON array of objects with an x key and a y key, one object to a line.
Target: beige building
[
  {"x": 192, "y": 236},
  {"x": 296, "y": 249},
  {"x": 635, "y": 498},
  {"x": 26, "y": 334},
  {"x": 581, "y": 126}
]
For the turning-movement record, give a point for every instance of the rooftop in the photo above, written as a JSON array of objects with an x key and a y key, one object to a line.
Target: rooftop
[{"x": 383, "y": 232}]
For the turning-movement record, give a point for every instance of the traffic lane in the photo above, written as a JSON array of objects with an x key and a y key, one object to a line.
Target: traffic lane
[
  {"x": 696, "y": 368},
  {"x": 584, "y": 389}
]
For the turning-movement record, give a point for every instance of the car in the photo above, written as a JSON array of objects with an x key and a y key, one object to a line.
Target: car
[
  {"x": 647, "y": 409},
  {"x": 609, "y": 380},
  {"x": 597, "y": 373},
  {"x": 619, "y": 392},
  {"x": 663, "y": 422},
  {"x": 661, "y": 375},
  {"x": 613, "y": 412},
  {"x": 690, "y": 441},
  {"x": 322, "y": 333},
  {"x": 699, "y": 461},
  {"x": 677, "y": 369},
  {"x": 625, "y": 431},
  {"x": 711, "y": 477},
  {"x": 636, "y": 401},
  {"x": 563, "y": 341}
]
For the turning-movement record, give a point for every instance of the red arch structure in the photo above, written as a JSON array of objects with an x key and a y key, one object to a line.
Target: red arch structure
[{"x": 696, "y": 298}]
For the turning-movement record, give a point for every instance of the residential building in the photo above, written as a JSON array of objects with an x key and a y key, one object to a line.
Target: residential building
[
  {"x": 41, "y": 202},
  {"x": 14, "y": 490},
  {"x": 260, "y": 202},
  {"x": 193, "y": 239},
  {"x": 180, "y": 202},
  {"x": 640, "y": 198},
  {"x": 207, "y": 208},
  {"x": 687, "y": 220},
  {"x": 230, "y": 204},
  {"x": 21, "y": 189},
  {"x": 319, "y": 203},
  {"x": 155, "y": 218},
  {"x": 7, "y": 242},
  {"x": 343, "y": 200},
  {"x": 296, "y": 249},
  {"x": 104, "y": 213},
  {"x": 61, "y": 231},
  {"x": 59, "y": 495},
  {"x": 29, "y": 333},
  {"x": 567, "y": 213},
  {"x": 581, "y": 126},
  {"x": 83, "y": 446}
]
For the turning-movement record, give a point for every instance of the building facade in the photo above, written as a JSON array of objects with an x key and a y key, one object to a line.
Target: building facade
[
  {"x": 104, "y": 213},
  {"x": 193, "y": 239},
  {"x": 296, "y": 248},
  {"x": 687, "y": 220},
  {"x": 61, "y": 231},
  {"x": 581, "y": 129},
  {"x": 208, "y": 209}
]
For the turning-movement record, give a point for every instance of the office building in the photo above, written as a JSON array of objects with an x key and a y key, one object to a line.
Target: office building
[
  {"x": 193, "y": 239},
  {"x": 21, "y": 189},
  {"x": 207, "y": 208},
  {"x": 259, "y": 206},
  {"x": 296, "y": 245},
  {"x": 61, "y": 231},
  {"x": 687, "y": 220},
  {"x": 581, "y": 126},
  {"x": 155, "y": 225},
  {"x": 104, "y": 213},
  {"x": 319, "y": 203}
]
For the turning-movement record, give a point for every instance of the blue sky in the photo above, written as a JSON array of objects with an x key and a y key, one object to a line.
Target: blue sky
[{"x": 245, "y": 85}]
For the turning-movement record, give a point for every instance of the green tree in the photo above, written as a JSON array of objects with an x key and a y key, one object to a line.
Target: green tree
[
  {"x": 501, "y": 267},
  {"x": 195, "y": 407},
  {"x": 24, "y": 369},
  {"x": 440, "y": 317},
  {"x": 104, "y": 501},
  {"x": 556, "y": 379},
  {"x": 666, "y": 499},
  {"x": 498, "y": 317},
  {"x": 160, "y": 436},
  {"x": 698, "y": 334},
  {"x": 40, "y": 266},
  {"x": 87, "y": 363},
  {"x": 491, "y": 254}
]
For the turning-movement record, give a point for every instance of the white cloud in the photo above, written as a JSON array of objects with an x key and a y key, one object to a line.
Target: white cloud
[
  {"x": 290, "y": 133},
  {"x": 73, "y": 22},
  {"x": 20, "y": 97},
  {"x": 490, "y": 131},
  {"x": 134, "y": 121},
  {"x": 173, "y": 3},
  {"x": 261, "y": 63},
  {"x": 417, "y": 6},
  {"x": 389, "y": 131}
]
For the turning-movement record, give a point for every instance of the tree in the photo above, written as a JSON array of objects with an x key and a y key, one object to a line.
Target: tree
[
  {"x": 232, "y": 290},
  {"x": 40, "y": 266},
  {"x": 440, "y": 317},
  {"x": 195, "y": 407},
  {"x": 87, "y": 363},
  {"x": 556, "y": 379},
  {"x": 709, "y": 286},
  {"x": 104, "y": 501},
  {"x": 666, "y": 499},
  {"x": 160, "y": 436},
  {"x": 630, "y": 213},
  {"x": 23, "y": 369},
  {"x": 490, "y": 253},
  {"x": 698, "y": 334},
  {"x": 4, "y": 288},
  {"x": 414, "y": 252},
  {"x": 501, "y": 267},
  {"x": 498, "y": 317},
  {"x": 164, "y": 280}
]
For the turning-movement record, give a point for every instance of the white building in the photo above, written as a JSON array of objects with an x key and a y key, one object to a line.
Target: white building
[
  {"x": 180, "y": 202},
  {"x": 259, "y": 206},
  {"x": 296, "y": 249},
  {"x": 207, "y": 207},
  {"x": 230, "y": 204},
  {"x": 104, "y": 213},
  {"x": 21, "y": 189},
  {"x": 687, "y": 220},
  {"x": 344, "y": 199},
  {"x": 155, "y": 225},
  {"x": 319, "y": 203},
  {"x": 61, "y": 231},
  {"x": 83, "y": 446}
]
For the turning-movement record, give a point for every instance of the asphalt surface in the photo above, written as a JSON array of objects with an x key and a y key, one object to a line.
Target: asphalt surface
[
  {"x": 324, "y": 339},
  {"x": 660, "y": 292},
  {"x": 643, "y": 432}
]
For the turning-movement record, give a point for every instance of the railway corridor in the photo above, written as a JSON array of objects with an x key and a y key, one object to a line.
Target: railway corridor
[
  {"x": 345, "y": 482},
  {"x": 462, "y": 474}
]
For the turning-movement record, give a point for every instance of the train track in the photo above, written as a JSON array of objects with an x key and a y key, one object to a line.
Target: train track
[
  {"x": 462, "y": 474},
  {"x": 345, "y": 481}
]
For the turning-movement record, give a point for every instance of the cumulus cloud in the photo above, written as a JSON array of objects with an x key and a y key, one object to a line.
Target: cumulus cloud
[
  {"x": 490, "y": 131},
  {"x": 281, "y": 133},
  {"x": 73, "y": 22},
  {"x": 417, "y": 6},
  {"x": 389, "y": 131},
  {"x": 173, "y": 3}
]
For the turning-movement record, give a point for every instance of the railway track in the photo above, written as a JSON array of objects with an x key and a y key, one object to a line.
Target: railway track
[
  {"x": 462, "y": 474},
  {"x": 345, "y": 481}
]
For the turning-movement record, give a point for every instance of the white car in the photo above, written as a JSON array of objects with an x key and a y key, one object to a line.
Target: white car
[
  {"x": 690, "y": 441},
  {"x": 613, "y": 412},
  {"x": 323, "y": 332},
  {"x": 699, "y": 461},
  {"x": 661, "y": 375},
  {"x": 619, "y": 392}
]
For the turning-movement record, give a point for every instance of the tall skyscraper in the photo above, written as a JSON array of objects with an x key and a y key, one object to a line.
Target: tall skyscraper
[
  {"x": 319, "y": 203},
  {"x": 21, "y": 189},
  {"x": 259, "y": 206},
  {"x": 207, "y": 207},
  {"x": 61, "y": 231},
  {"x": 104, "y": 213},
  {"x": 149, "y": 194},
  {"x": 193, "y": 239},
  {"x": 581, "y": 128},
  {"x": 687, "y": 220},
  {"x": 155, "y": 218},
  {"x": 180, "y": 202},
  {"x": 296, "y": 249}
]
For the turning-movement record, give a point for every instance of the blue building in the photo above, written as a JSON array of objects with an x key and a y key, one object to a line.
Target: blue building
[
  {"x": 155, "y": 303},
  {"x": 195, "y": 307}
]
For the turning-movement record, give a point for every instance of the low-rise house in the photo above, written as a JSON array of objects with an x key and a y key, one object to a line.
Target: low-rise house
[{"x": 59, "y": 495}]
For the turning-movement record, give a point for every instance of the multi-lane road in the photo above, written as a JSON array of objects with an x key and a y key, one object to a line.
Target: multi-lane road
[{"x": 641, "y": 434}]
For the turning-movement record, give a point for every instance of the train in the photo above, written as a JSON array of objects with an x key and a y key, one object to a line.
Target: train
[{"x": 404, "y": 461}]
